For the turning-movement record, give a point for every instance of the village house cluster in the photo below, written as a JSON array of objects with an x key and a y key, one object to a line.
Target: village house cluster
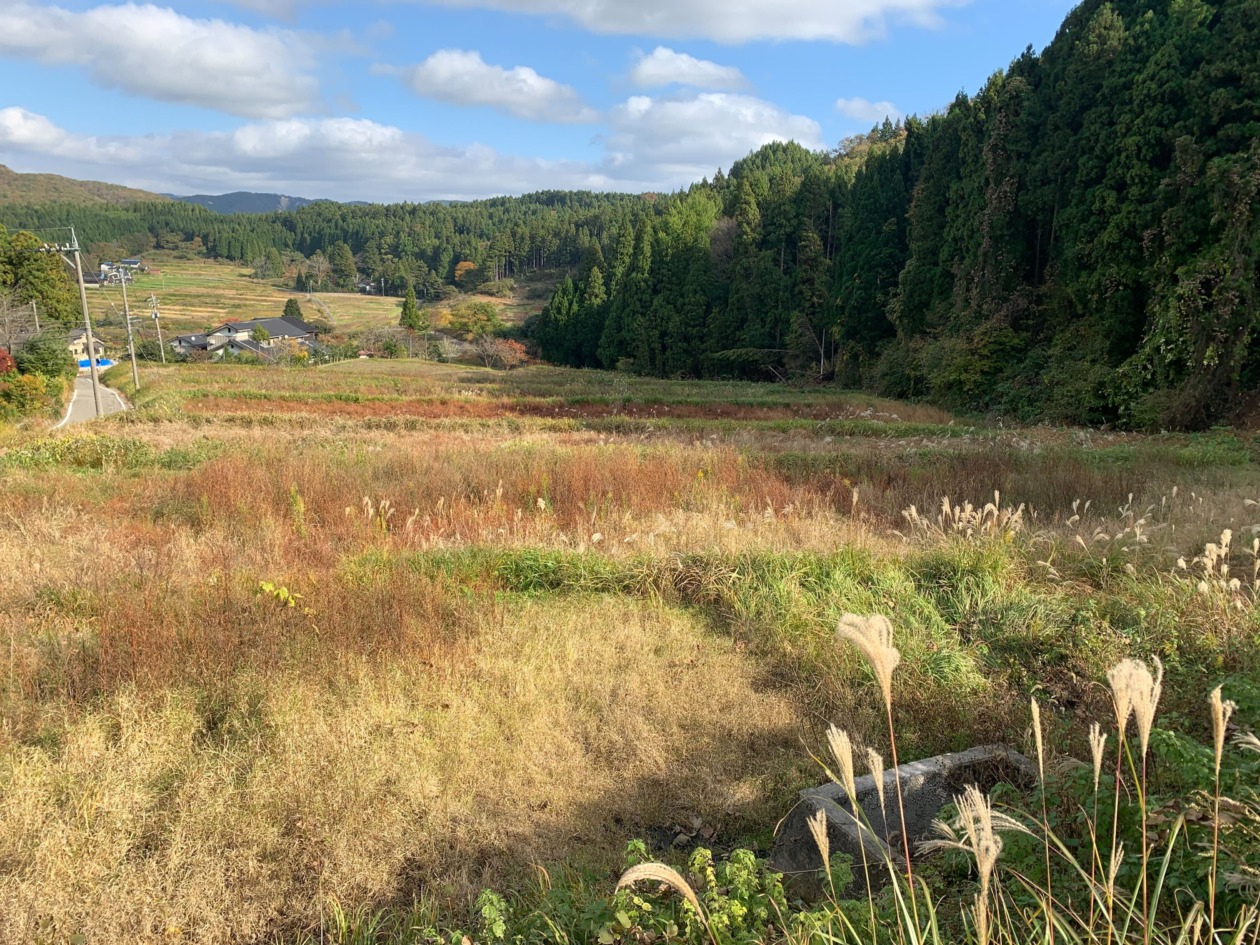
[{"x": 268, "y": 339}]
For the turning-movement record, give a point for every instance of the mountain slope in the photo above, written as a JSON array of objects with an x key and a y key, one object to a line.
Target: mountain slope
[
  {"x": 245, "y": 202},
  {"x": 52, "y": 188}
]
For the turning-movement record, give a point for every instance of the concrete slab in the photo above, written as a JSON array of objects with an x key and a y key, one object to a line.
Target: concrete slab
[{"x": 926, "y": 787}]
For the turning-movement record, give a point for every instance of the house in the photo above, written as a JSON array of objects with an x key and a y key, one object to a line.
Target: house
[
  {"x": 239, "y": 346},
  {"x": 264, "y": 338},
  {"x": 274, "y": 328},
  {"x": 187, "y": 344},
  {"x": 77, "y": 342}
]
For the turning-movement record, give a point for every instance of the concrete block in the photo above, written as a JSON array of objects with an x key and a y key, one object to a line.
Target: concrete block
[{"x": 926, "y": 787}]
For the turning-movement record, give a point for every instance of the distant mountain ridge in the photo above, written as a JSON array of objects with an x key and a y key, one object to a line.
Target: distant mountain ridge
[
  {"x": 52, "y": 188},
  {"x": 245, "y": 202}
]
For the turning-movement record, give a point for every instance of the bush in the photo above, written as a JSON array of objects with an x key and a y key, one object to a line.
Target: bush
[
  {"x": 24, "y": 393},
  {"x": 500, "y": 288},
  {"x": 7, "y": 364},
  {"x": 47, "y": 355}
]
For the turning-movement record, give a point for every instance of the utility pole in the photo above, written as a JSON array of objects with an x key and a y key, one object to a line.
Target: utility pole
[
  {"x": 153, "y": 308},
  {"x": 35, "y": 312},
  {"x": 87, "y": 325},
  {"x": 131, "y": 344}
]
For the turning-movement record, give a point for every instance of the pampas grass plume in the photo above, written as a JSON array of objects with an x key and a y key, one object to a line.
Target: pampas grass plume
[
  {"x": 842, "y": 750},
  {"x": 660, "y": 873},
  {"x": 1136, "y": 692},
  {"x": 1097, "y": 744},
  {"x": 817, "y": 822},
  {"x": 875, "y": 762},
  {"x": 873, "y": 636},
  {"x": 1222, "y": 709}
]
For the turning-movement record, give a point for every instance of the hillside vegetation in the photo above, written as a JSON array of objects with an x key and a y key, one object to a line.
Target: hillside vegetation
[
  {"x": 52, "y": 188},
  {"x": 1079, "y": 241}
]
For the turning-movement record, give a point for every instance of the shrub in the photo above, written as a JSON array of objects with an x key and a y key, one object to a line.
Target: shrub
[
  {"x": 499, "y": 288},
  {"x": 47, "y": 355},
  {"x": 25, "y": 393}
]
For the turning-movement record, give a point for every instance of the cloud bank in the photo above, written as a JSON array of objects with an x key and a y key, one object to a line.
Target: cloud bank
[
  {"x": 860, "y": 109},
  {"x": 733, "y": 21},
  {"x": 651, "y": 144},
  {"x": 157, "y": 53},
  {"x": 664, "y": 66}
]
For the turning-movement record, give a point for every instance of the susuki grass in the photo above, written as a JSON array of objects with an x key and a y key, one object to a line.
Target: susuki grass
[
  {"x": 270, "y": 677},
  {"x": 1009, "y": 905}
]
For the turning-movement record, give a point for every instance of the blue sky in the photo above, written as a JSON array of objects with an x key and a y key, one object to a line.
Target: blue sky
[{"x": 407, "y": 100}]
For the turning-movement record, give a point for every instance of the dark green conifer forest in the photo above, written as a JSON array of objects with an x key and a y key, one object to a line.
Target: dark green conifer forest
[{"x": 1076, "y": 242}]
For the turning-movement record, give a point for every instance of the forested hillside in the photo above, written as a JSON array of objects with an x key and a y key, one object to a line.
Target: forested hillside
[
  {"x": 52, "y": 188},
  {"x": 1078, "y": 242},
  {"x": 403, "y": 245}
]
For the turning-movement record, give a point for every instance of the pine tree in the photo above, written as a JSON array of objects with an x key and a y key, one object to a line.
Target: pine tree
[
  {"x": 556, "y": 333},
  {"x": 292, "y": 309},
  {"x": 413, "y": 318},
  {"x": 341, "y": 263},
  {"x": 624, "y": 332}
]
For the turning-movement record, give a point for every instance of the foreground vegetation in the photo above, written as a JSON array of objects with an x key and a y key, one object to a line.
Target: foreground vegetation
[{"x": 322, "y": 655}]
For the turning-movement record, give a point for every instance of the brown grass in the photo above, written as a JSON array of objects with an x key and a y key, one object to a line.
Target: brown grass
[
  {"x": 185, "y": 756},
  {"x": 232, "y": 814}
]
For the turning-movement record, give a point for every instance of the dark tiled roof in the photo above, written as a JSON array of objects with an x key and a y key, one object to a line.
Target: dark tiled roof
[{"x": 275, "y": 327}]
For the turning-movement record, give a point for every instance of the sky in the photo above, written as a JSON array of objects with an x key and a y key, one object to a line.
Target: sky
[{"x": 413, "y": 100}]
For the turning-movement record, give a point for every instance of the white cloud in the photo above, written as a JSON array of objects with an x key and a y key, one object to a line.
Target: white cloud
[
  {"x": 24, "y": 131},
  {"x": 338, "y": 158},
  {"x": 652, "y": 145},
  {"x": 280, "y": 9},
  {"x": 157, "y": 53},
  {"x": 734, "y": 21},
  {"x": 664, "y": 66},
  {"x": 683, "y": 139},
  {"x": 859, "y": 109},
  {"x": 464, "y": 78}
]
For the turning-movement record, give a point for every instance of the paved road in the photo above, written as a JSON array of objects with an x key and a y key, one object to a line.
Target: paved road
[{"x": 82, "y": 409}]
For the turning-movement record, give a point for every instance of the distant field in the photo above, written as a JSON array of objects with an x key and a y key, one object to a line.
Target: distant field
[{"x": 195, "y": 294}]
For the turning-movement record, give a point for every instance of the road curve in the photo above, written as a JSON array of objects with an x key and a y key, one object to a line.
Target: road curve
[{"x": 82, "y": 409}]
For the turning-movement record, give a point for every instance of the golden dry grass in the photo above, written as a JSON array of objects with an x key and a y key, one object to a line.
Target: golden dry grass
[
  {"x": 196, "y": 293},
  {"x": 185, "y": 757},
  {"x": 543, "y": 732}
]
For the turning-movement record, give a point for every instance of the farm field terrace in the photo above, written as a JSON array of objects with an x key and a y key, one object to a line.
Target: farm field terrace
[
  {"x": 290, "y": 646},
  {"x": 195, "y": 293}
]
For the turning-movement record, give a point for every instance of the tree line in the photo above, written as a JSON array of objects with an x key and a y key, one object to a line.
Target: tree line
[{"x": 394, "y": 247}]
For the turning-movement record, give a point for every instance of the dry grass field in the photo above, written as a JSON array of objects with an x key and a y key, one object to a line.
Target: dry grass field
[
  {"x": 194, "y": 294},
  {"x": 319, "y": 654}
]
